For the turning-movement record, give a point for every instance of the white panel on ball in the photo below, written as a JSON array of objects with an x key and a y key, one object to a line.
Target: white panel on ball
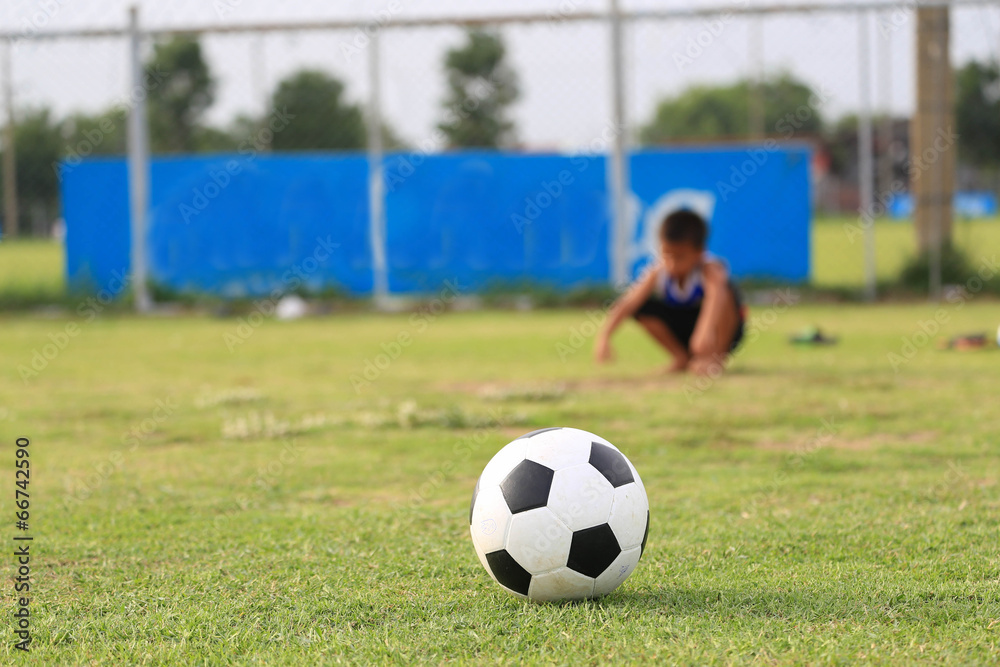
[
  {"x": 490, "y": 520},
  {"x": 617, "y": 572},
  {"x": 581, "y": 497},
  {"x": 558, "y": 449},
  {"x": 562, "y": 584},
  {"x": 581, "y": 435},
  {"x": 502, "y": 463},
  {"x": 629, "y": 511},
  {"x": 538, "y": 541}
]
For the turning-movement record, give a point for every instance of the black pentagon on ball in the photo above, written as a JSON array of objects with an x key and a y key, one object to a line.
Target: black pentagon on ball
[
  {"x": 541, "y": 430},
  {"x": 475, "y": 494},
  {"x": 593, "y": 550},
  {"x": 645, "y": 536},
  {"x": 508, "y": 572},
  {"x": 611, "y": 464},
  {"x": 527, "y": 486}
]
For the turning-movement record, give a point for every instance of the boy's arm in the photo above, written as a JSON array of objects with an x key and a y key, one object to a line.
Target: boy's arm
[
  {"x": 624, "y": 308},
  {"x": 716, "y": 282}
]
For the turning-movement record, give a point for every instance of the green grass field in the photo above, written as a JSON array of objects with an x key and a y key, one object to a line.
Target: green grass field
[
  {"x": 33, "y": 270},
  {"x": 32, "y": 267},
  {"x": 838, "y": 256},
  {"x": 192, "y": 505}
]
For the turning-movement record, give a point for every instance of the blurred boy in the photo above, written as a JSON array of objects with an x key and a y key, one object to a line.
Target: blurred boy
[{"x": 685, "y": 301}]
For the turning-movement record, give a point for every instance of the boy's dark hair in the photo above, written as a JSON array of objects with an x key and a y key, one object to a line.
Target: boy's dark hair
[{"x": 685, "y": 226}]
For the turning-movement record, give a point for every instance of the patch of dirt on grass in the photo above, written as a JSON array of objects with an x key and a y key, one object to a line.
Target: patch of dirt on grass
[{"x": 655, "y": 379}]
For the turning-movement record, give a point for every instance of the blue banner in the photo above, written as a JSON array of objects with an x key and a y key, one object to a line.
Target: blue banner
[{"x": 250, "y": 225}]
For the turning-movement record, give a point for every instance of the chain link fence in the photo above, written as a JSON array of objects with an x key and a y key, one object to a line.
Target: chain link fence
[{"x": 231, "y": 76}]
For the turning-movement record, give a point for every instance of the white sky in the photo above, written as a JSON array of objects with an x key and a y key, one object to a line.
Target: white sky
[{"x": 563, "y": 68}]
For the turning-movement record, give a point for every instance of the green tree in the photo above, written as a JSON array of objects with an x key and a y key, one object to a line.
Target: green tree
[
  {"x": 716, "y": 112},
  {"x": 181, "y": 89},
  {"x": 107, "y": 134},
  {"x": 214, "y": 140},
  {"x": 392, "y": 141},
  {"x": 977, "y": 113},
  {"x": 842, "y": 145},
  {"x": 101, "y": 134},
  {"x": 39, "y": 145},
  {"x": 480, "y": 89},
  {"x": 311, "y": 112}
]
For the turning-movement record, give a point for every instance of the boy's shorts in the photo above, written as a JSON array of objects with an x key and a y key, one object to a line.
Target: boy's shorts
[{"x": 681, "y": 320}]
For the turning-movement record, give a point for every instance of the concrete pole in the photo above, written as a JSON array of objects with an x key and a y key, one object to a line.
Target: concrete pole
[{"x": 931, "y": 151}]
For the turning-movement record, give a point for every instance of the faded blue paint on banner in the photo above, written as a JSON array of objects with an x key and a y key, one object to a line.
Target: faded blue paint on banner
[
  {"x": 756, "y": 199},
  {"x": 239, "y": 226}
]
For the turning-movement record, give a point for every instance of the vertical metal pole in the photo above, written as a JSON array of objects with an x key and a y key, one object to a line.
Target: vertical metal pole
[
  {"x": 618, "y": 163},
  {"x": 866, "y": 171},
  {"x": 886, "y": 128},
  {"x": 757, "y": 113},
  {"x": 138, "y": 167},
  {"x": 10, "y": 205},
  {"x": 258, "y": 73},
  {"x": 376, "y": 180}
]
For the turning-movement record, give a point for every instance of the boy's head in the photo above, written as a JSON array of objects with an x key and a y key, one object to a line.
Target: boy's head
[{"x": 682, "y": 241}]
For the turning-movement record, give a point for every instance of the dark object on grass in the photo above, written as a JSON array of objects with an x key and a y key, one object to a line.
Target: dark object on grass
[
  {"x": 966, "y": 342},
  {"x": 812, "y": 336}
]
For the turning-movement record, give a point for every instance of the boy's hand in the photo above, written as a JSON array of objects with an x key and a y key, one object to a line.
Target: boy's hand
[{"x": 602, "y": 351}]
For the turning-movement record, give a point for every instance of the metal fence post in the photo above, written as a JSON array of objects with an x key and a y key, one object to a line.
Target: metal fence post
[
  {"x": 138, "y": 167},
  {"x": 376, "y": 180},
  {"x": 866, "y": 171},
  {"x": 618, "y": 171}
]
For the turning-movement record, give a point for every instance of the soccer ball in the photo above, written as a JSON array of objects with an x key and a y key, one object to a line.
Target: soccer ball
[{"x": 559, "y": 514}]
